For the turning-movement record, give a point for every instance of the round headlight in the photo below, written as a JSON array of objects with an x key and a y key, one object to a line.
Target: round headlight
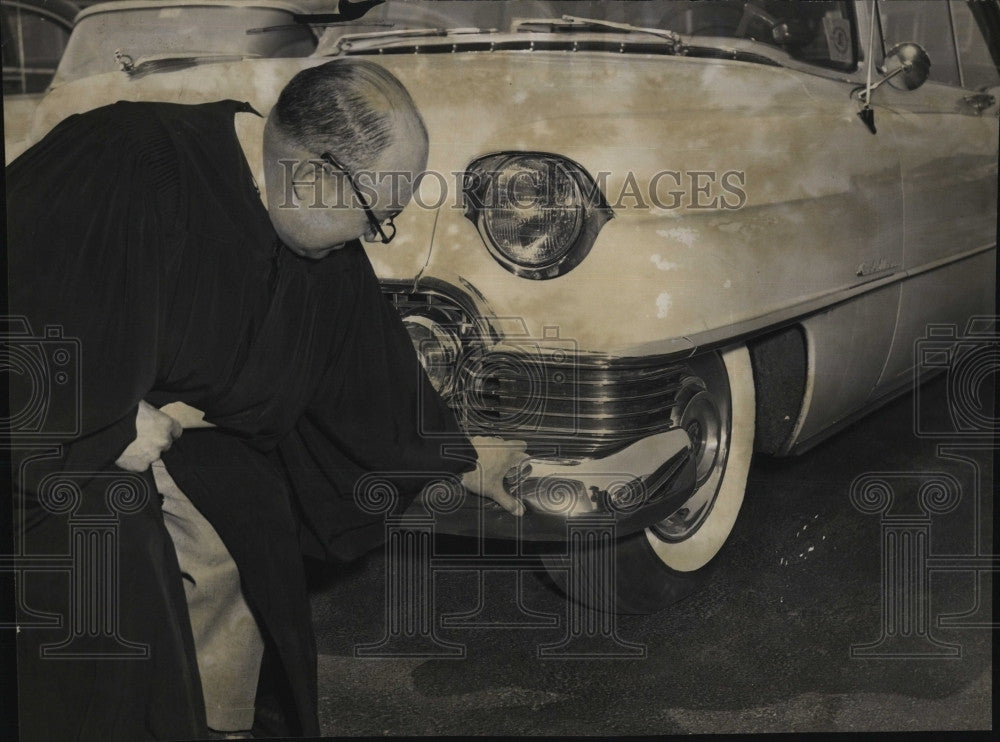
[
  {"x": 533, "y": 211},
  {"x": 538, "y": 213},
  {"x": 438, "y": 349}
]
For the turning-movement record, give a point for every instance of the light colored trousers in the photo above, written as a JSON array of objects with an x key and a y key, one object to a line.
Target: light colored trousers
[{"x": 227, "y": 640}]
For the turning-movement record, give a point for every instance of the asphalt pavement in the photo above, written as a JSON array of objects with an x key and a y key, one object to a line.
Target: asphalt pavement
[{"x": 800, "y": 628}]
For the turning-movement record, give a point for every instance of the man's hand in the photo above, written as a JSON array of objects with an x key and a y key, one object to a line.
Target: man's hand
[
  {"x": 154, "y": 433},
  {"x": 496, "y": 458}
]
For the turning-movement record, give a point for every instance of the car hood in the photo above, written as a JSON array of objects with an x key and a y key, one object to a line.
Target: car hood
[{"x": 628, "y": 117}]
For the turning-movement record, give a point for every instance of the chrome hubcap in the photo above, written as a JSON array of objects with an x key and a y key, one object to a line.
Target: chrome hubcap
[{"x": 703, "y": 412}]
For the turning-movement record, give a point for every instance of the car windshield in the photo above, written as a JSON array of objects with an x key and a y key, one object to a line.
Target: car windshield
[
  {"x": 146, "y": 31},
  {"x": 818, "y": 32}
]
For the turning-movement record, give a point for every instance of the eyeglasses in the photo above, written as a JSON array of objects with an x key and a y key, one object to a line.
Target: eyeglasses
[{"x": 386, "y": 238}]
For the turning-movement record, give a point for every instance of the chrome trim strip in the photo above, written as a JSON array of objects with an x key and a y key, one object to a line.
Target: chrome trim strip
[
  {"x": 589, "y": 431},
  {"x": 609, "y": 363},
  {"x": 622, "y": 393},
  {"x": 942, "y": 262},
  {"x": 721, "y": 336},
  {"x": 800, "y": 447},
  {"x": 465, "y": 299},
  {"x": 614, "y": 415}
]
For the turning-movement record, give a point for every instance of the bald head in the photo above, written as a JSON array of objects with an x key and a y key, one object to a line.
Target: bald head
[
  {"x": 350, "y": 107},
  {"x": 363, "y": 117}
]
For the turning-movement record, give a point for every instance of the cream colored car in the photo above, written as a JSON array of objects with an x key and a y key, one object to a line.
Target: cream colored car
[
  {"x": 658, "y": 237},
  {"x": 34, "y": 35}
]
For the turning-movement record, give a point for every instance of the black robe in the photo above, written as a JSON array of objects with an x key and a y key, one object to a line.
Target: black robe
[{"x": 137, "y": 240}]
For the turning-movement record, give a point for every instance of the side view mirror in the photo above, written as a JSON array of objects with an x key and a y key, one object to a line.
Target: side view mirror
[{"x": 906, "y": 65}]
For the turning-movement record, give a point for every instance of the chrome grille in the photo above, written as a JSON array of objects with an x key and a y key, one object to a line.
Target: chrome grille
[
  {"x": 583, "y": 405},
  {"x": 471, "y": 329},
  {"x": 563, "y": 402}
]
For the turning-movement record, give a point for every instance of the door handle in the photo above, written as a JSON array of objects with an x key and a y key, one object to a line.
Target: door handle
[{"x": 979, "y": 101}]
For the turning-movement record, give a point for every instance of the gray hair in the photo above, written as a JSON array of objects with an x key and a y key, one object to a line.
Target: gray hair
[{"x": 335, "y": 107}]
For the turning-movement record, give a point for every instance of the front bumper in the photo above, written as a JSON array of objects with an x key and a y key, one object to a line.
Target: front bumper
[
  {"x": 603, "y": 432},
  {"x": 638, "y": 486}
]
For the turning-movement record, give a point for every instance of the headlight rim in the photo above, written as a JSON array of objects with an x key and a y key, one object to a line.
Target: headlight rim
[{"x": 595, "y": 212}]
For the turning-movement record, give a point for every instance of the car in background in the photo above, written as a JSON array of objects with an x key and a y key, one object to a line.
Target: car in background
[
  {"x": 139, "y": 36},
  {"x": 136, "y": 35},
  {"x": 34, "y": 36},
  {"x": 656, "y": 238}
]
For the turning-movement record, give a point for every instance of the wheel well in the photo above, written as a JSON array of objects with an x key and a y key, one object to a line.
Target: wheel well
[{"x": 779, "y": 369}]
